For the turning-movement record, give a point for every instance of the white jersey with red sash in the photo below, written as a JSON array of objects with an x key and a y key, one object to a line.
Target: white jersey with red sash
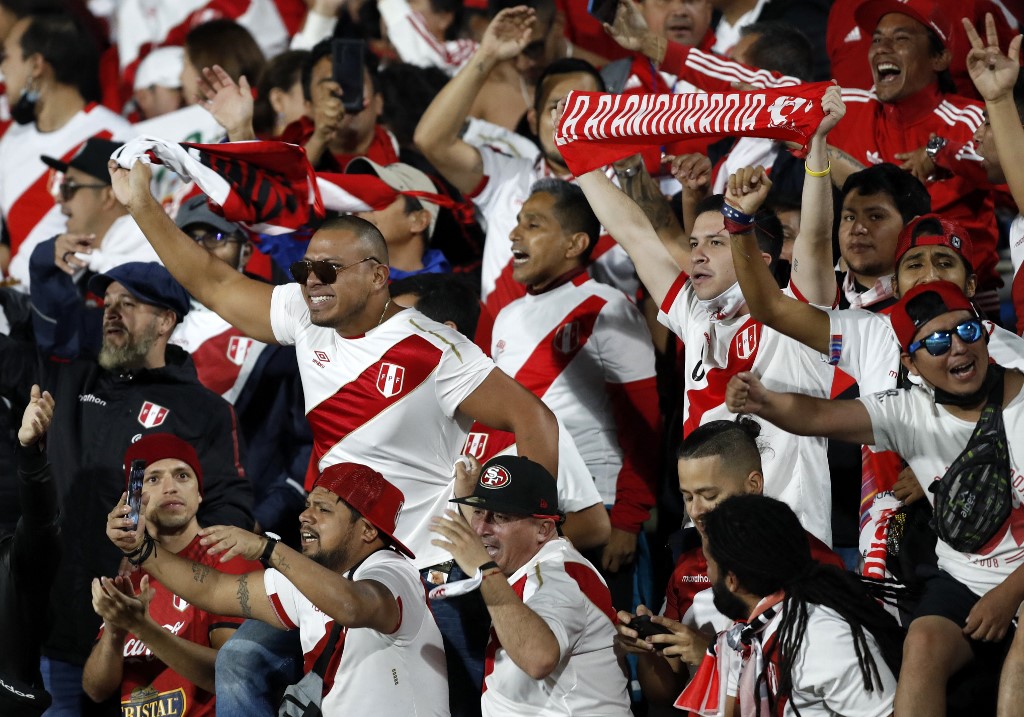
[
  {"x": 795, "y": 467},
  {"x": 28, "y": 206},
  {"x": 388, "y": 399},
  {"x": 568, "y": 593},
  {"x": 398, "y": 674}
]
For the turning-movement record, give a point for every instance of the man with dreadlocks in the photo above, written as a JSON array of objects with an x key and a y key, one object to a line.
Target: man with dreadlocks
[{"x": 809, "y": 639}]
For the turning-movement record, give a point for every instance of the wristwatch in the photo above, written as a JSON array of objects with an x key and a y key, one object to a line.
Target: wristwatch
[{"x": 934, "y": 146}]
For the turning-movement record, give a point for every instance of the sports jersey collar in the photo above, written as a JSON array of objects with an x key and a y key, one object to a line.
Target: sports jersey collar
[
  {"x": 543, "y": 170},
  {"x": 915, "y": 108},
  {"x": 860, "y": 298},
  {"x": 726, "y": 305},
  {"x": 367, "y": 333},
  {"x": 577, "y": 276}
]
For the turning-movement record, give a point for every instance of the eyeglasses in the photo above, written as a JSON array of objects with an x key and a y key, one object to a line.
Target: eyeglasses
[
  {"x": 215, "y": 239},
  {"x": 325, "y": 271},
  {"x": 940, "y": 342},
  {"x": 69, "y": 187}
]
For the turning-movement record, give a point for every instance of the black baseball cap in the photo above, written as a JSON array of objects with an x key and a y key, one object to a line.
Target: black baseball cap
[
  {"x": 515, "y": 485},
  {"x": 196, "y": 210},
  {"x": 91, "y": 158},
  {"x": 148, "y": 282}
]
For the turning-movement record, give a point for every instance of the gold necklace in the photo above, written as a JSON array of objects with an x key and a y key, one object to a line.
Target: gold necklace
[{"x": 383, "y": 312}]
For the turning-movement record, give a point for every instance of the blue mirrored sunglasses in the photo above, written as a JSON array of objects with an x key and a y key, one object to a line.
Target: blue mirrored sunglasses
[{"x": 940, "y": 342}]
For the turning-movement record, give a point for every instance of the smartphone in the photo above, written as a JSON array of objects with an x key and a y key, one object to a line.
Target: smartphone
[
  {"x": 135, "y": 491},
  {"x": 347, "y": 57},
  {"x": 645, "y": 628},
  {"x": 603, "y": 10}
]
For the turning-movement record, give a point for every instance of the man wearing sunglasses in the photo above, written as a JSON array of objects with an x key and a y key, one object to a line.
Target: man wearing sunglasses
[
  {"x": 969, "y": 601},
  {"x": 383, "y": 385}
]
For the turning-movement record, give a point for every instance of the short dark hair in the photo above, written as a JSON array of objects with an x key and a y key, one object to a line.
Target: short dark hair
[
  {"x": 68, "y": 48},
  {"x": 443, "y": 297},
  {"x": 564, "y": 66},
  {"x": 572, "y": 210},
  {"x": 226, "y": 43},
  {"x": 767, "y": 227},
  {"x": 407, "y": 91},
  {"x": 368, "y": 234},
  {"x": 935, "y": 48},
  {"x": 780, "y": 47},
  {"x": 323, "y": 49},
  {"x": 906, "y": 191},
  {"x": 281, "y": 72},
  {"x": 737, "y": 440}
]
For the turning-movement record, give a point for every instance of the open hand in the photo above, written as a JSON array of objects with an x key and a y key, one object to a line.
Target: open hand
[
  {"x": 630, "y": 28},
  {"x": 509, "y": 33},
  {"x": 37, "y": 417},
  {"x": 230, "y": 104},
  {"x": 993, "y": 73},
  {"x": 232, "y": 541},
  {"x": 460, "y": 540}
]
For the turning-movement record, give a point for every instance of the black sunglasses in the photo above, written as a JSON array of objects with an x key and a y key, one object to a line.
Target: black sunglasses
[
  {"x": 215, "y": 239},
  {"x": 940, "y": 342},
  {"x": 325, "y": 271},
  {"x": 68, "y": 188}
]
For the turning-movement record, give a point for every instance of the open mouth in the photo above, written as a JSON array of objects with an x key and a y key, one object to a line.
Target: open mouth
[
  {"x": 308, "y": 537},
  {"x": 319, "y": 300},
  {"x": 680, "y": 26},
  {"x": 888, "y": 72},
  {"x": 963, "y": 371},
  {"x": 519, "y": 257}
]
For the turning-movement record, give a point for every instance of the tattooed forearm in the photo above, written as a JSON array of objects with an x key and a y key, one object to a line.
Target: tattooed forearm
[
  {"x": 642, "y": 189},
  {"x": 839, "y": 155},
  {"x": 243, "y": 596},
  {"x": 281, "y": 563},
  {"x": 199, "y": 572}
]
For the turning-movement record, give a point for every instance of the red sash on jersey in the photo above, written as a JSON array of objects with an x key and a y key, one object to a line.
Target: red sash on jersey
[
  {"x": 599, "y": 128},
  {"x": 742, "y": 352}
]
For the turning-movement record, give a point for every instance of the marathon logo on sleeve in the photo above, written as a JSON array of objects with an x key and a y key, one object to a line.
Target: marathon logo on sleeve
[{"x": 598, "y": 128}]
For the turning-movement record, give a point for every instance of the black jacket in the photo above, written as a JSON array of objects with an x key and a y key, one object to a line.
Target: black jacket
[{"x": 98, "y": 414}]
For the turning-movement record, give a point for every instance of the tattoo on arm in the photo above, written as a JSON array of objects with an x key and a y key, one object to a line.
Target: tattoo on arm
[
  {"x": 281, "y": 563},
  {"x": 199, "y": 572},
  {"x": 841, "y": 156},
  {"x": 243, "y": 596},
  {"x": 643, "y": 190}
]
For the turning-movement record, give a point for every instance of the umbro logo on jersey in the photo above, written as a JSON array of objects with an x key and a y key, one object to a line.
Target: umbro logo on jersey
[
  {"x": 151, "y": 415},
  {"x": 476, "y": 445},
  {"x": 495, "y": 477},
  {"x": 320, "y": 358},
  {"x": 567, "y": 338},
  {"x": 390, "y": 379},
  {"x": 238, "y": 348},
  {"x": 746, "y": 343}
]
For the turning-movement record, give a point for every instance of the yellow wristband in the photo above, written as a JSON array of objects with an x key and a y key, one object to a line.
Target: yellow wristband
[{"x": 823, "y": 173}]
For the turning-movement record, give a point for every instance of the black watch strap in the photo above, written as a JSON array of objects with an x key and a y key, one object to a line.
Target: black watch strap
[
  {"x": 487, "y": 566},
  {"x": 268, "y": 551}
]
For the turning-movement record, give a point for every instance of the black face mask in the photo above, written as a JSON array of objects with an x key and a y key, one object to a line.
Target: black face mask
[
  {"x": 993, "y": 374},
  {"x": 24, "y": 110}
]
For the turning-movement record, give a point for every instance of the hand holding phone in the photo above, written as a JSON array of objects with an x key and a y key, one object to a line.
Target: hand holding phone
[
  {"x": 135, "y": 491},
  {"x": 603, "y": 10},
  {"x": 347, "y": 66},
  {"x": 646, "y": 628}
]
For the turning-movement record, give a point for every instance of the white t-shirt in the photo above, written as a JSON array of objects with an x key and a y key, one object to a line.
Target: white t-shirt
[
  {"x": 416, "y": 45},
  {"x": 565, "y": 345},
  {"x": 727, "y": 34},
  {"x": 400, "y": 674},
  {"x": 826, "y": 675},
  {"x": 568, "y": 593},
  {"x": 930, "y": 438},
  {"x": 388, "y": 399},
  {"x": 30, "y": 211},
  {"x": 795, "y": 467}
]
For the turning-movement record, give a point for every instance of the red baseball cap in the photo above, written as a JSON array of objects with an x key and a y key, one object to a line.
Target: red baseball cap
[
  {"x": 922, "y": 304},
  {"x": 929, "y": 13},
  {"x": 158, "y": 446},
  {"x": 950, "y": 234},
  {"x": 369, "y": 493}
]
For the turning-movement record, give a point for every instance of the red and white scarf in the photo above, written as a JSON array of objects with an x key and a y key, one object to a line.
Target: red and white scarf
[{"x": 598, "y": 128}]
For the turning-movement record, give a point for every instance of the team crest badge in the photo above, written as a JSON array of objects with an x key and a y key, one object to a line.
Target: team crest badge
[
  {"x": 746, "y": 342},
  {"x": 567, "y": 338},
  {"x": 390, "y": 379},
  {"x": 238, "y": 349},
  {"x": 179, "y": 603},
  {"x": 152, "y": 415},
  {"x": 495, "y": 477},
  {"x": 476, "y": 445}
]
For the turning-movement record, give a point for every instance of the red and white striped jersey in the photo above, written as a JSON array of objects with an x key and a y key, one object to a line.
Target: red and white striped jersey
[
  {"x": 415, "y": 43},
  {"x": 795, "y": 467},
  {"x": 224, "y": 357},
  {"x": 575, "y": 347},
  {"x": 28, "y": 206},
  {"x": 388, "y": 399}
]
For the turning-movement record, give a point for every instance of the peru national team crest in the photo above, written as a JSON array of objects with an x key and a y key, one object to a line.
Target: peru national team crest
[
  {"x": 746, "y": 342},
  {"x": 238, "y": 349},
  {"x": 476, "y": 445},
  {"x": 495, "y": 477},
  {"x": 567, "y": 338},
  {"x": 389, "y": 380},
  {"x": 152, "y": 415}
]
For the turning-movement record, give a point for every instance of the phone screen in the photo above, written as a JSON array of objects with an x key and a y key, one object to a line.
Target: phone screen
[
  {"x": 348, "y": 57},
  {"x": 603, "y": 10},
  {"x": 135, "y": 490}
]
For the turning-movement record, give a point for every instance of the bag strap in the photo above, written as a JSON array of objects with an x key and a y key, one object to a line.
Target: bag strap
[{"x": 320, "y": 666}]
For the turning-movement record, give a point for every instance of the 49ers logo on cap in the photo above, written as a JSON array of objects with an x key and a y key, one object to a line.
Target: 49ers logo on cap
[
  {"x": 495, "y": 477},
  {"x": 389, "y": 380},
  {"x": 238, "y": 348},
  {"x": 152, "y": 415},
  {"x": 567, "y": 338}
]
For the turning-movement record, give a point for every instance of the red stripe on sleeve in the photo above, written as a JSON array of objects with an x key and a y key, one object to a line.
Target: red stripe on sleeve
[{"x": 673, "y": 291}]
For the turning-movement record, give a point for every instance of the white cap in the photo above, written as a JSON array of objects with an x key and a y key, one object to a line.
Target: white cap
[{"x": 162, "y": 67}]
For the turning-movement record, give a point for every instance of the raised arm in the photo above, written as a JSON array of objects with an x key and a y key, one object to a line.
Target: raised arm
[
  {"x": 796, "y": 319},
  {"x": 438, "y": 132},
  {"x": 995, "y": 74},
  {"x": 242, "y": 302},
  {"x": 799, "y": 414},
  {"x": 637, "y": 184},
  {"x": 813, "y": 273}
]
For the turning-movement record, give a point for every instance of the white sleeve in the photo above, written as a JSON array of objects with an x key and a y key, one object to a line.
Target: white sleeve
[
  {"x": 1017, "y": 242},
  {"x": 288, "y": 313},
  {"x": 892, "y": 420},
  {"x": 864, "y": 345},
  {"x": 625, "y": 346},
  {"x": 562, "y": 606},
  {"x": 404, "y": 584},
  {"x": 498, "y": 169},
  {"x": 674, "y": 312},
  {"x": 284, "y": 597},
  {"x": 463, "y": 367},
  {"x": 317, "y": 27},
  {"x": 576, "y": 487},
  {"x": 414, "y": 42}
]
